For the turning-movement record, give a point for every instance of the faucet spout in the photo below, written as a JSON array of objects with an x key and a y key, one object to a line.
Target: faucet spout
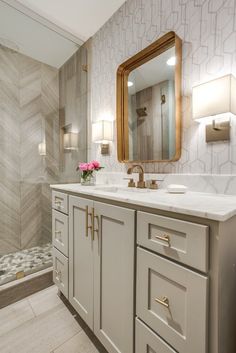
[{"x": 141, "y": 182}]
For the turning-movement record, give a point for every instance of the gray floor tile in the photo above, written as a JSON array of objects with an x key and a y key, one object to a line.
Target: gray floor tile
[
  {"x": 15, "y": 315},
  {"x": 80, "y": 343},
  {"x": 42, "y": 334},
  {"x": 44, "y": 300}
]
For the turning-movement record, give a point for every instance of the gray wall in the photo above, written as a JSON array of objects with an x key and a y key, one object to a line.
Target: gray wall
[{"x": 29, "y": 113}]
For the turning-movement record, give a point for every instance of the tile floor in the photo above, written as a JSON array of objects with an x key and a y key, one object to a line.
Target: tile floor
[
  {"x": 42, "y": 323},
  {"x": 25, "y": 261}
]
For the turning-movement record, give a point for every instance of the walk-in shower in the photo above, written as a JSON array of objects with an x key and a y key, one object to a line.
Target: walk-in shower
[{"x": 32, "y": 57}]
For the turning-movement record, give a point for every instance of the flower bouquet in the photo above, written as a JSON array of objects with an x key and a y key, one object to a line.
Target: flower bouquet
[{"x": 88, "y": 172}]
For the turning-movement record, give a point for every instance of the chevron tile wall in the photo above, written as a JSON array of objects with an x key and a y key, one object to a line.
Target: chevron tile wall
[
  {"x": 29, "y": 114},
  {"x": 207, "y": 28}
]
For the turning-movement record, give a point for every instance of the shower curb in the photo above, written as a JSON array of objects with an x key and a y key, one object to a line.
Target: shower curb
[{"x": 22, "y": 288}]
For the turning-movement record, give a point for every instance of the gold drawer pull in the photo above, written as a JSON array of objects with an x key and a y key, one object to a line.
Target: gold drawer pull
[
  {"x": 87, "y": 226},
  {"x": 164, "y": 301},
  {"x": 58, "y": 274},
  {"x": 58, "y": 232},
  {"x": 58, "y": 203},
  {"x": 165, "y": 238},
  {"x": 93, "y": 227}
]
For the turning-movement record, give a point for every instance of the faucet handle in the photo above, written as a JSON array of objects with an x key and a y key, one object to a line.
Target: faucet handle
[
  {"x": 131, "y": 183},
  {"x": 153, "y": 184},
  {"x": 141, "y": 185}
]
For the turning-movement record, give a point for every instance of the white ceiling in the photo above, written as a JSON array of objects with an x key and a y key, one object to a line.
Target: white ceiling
[
  {"x": 83, "y": 18},
  {"x": 153, "y": 72},
  {"x": 29, "y": 37}
]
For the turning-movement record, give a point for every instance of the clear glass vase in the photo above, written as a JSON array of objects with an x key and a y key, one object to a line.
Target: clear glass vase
[{"x": 88, "y": 179}]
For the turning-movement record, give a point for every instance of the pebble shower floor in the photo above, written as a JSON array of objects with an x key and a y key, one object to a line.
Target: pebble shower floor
[{"x": 25, "y": 262}]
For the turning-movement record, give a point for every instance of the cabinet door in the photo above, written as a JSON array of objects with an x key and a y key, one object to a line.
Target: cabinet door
[
  {"x": 60, "y": 271},
  {"x": 81, "y": 258},
  {"x": 114, "y": 277}
]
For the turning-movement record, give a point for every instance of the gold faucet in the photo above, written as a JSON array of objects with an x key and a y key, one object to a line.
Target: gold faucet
[{"x": 141, "y": 182}]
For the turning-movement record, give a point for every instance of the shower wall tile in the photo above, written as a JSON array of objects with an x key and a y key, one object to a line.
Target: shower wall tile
[
  {"x": 208, "y": 31},
  {"x": 29, "y": 115},
  {"x": 31, "y": 214},
  {"x": 9, "y": 65},
  {"x": 10, "y": 152},
  {"x": 46, "y": 213}
]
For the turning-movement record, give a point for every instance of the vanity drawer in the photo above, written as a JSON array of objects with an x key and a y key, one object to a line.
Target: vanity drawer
[
  {"x": 172, "y": 300},
  {"x": 60, "y": 231},
  {"x": 60, "y": 201},
  {"x": 60, "y": 271},
  {"x": 182, "y": 241},
  {"x": 146, "y": 341}
]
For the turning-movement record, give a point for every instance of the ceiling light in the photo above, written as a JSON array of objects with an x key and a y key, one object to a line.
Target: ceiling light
[
  {"x": 130, "y": 84},
  {"x": 171, "y": 61}
]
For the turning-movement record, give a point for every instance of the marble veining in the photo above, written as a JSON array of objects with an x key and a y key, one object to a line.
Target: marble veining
[
  {"x": 209, "y": 183},
  {"x": 206, "y": 205}
]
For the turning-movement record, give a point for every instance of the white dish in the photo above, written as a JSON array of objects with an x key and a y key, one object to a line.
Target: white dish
[{"x": 177, "y": 189}]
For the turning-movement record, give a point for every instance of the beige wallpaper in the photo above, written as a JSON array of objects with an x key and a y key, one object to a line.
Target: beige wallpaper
[{"x": 208, "y": 31}]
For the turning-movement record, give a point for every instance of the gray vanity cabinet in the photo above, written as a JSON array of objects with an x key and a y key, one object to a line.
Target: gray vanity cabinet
[
  {"x": 101, "y": 270},
  {"x": 114, "y": 277},
  {"x": 81, "y": 258}
]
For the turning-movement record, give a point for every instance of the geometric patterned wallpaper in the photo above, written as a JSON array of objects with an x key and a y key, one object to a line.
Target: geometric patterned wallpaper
[{"x": 208, "y": 31}]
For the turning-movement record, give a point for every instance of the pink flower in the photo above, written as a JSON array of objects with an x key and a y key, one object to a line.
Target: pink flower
[
  {"x": 90, "y": 166},
  {"x": 83, "y": 166},
  {"x": 96, "y": 164}
]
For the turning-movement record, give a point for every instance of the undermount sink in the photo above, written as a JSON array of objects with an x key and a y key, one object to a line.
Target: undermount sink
[{"x": 117, "y": 189}]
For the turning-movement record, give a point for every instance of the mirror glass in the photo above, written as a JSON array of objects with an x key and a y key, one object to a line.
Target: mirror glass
[
  {"x": 149, "y": 103},
  {"x": 151, "y": 109}
]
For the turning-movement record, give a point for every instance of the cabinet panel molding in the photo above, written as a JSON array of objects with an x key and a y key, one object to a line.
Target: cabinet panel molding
[
  {"x": 179, "y": 240},
  {"x": 173, "y": 301},
  {"x": 80, "y": 259},
  {"x": 60, "y": 271},
  {"x": 114, "y": 278},
  {"x": 60, "y": 236}
]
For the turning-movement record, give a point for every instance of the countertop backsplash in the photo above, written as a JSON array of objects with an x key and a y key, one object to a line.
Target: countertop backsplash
[{"x": 208, "y": 183}]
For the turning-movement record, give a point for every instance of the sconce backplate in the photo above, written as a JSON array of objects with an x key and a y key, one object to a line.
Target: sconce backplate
[
  {"x": 218, "y": 132},
  {"x": 105, "y": 148}
]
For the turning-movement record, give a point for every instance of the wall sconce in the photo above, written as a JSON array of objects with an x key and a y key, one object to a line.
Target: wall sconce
[
  {"x": 102, "y": 132},
  {"x": 71, "y": 141},
  {"x": 214, "y": 103},
  {"x": 42, "y": 148}
]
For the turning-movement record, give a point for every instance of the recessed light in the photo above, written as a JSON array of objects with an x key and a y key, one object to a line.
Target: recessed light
[
  {"x": 130, "y": 84},
  {"x": 171, "y": 61}
]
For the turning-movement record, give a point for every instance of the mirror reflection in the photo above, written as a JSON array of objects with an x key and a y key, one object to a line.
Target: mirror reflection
[{"x": 151, "y": 109}]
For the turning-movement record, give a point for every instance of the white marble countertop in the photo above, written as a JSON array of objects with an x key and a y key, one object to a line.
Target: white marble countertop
[{"x": 211, "y": 206}]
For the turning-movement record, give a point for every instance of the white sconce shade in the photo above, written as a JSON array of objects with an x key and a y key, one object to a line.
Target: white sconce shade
[
  {"x": 214, "y": 97},
  {"x": 42, "y": 149},
  {"x": 71, "y": 141},
  {"x": 102, "y": 131}
]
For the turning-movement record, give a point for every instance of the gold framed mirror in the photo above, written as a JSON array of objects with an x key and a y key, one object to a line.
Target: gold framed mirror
[{"x": 149, "y": 103}]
